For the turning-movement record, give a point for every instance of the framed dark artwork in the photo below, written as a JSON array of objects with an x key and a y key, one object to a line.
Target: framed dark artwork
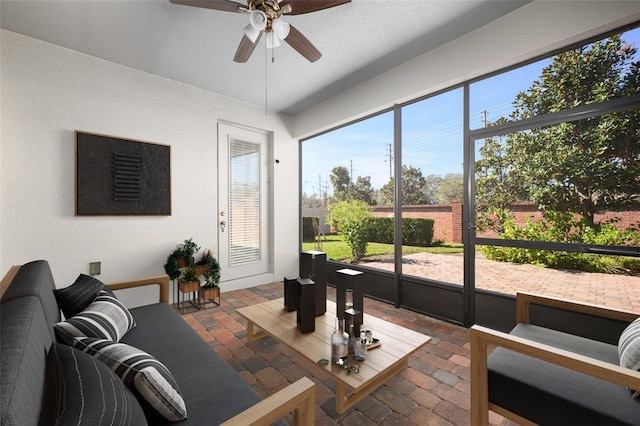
[{"x": 117, "y": 176}]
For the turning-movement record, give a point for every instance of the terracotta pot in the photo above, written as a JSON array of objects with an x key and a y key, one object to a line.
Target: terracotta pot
[{"x": 188, "y": 286}]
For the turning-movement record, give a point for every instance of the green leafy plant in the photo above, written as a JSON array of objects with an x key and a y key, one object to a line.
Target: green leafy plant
[
  {"x": 171, "y": 266},
  {"x": 352, "y": 220},
  {"x": 564, "y": 227},
  {"x": 190, "y": 273},
  {"x": 212, "y": 273},
  {"x": 187, "y": 250}
]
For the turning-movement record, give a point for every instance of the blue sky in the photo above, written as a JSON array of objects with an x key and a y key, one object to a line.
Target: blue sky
[{"x": 431, "y": 133}]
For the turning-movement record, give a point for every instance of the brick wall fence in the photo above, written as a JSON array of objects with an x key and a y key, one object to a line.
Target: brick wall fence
[{"x": 447, "y": 218}]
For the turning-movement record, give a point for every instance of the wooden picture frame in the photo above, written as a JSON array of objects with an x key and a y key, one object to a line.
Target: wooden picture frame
[{"x": 115, "y": 176}]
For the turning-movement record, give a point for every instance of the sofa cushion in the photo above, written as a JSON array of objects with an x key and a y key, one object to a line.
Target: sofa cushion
[
  {"x": 147, "y": 377},
  {"x": 80, "y": 390},
  {"x": 212, "y": 390},
  {"x": 74, "y": 299},
  {"x": 35, "y": 279},
  {"x": 26, "y": 338},
  {"x": 549, "y": 394},
  {"x": 105, "y": 318}
]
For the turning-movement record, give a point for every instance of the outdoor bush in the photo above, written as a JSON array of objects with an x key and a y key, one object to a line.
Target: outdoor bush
[
  {"x": 381, "y": 230},
  {"x": 563, "y": 227},
  {"x": 415, "y": 231},
  {"x": 352, "y": 220}
]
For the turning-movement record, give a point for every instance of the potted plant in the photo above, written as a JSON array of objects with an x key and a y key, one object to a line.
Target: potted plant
[
  {"x": 189, "y": 280},
  {"x": 210, "y": 289},
  {"x": 185, "y": 252},
  {"x": 171, "y": 267}
]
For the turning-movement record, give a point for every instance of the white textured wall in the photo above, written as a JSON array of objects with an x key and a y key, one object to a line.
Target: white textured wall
[
  {"x": 532, "y": 30},
  {"x": 47, "y": 93}
]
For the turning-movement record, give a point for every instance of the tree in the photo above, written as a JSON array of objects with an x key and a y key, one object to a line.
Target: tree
[
  {"x": 413, "y": 188},
  {"x": 340, "y": 179},
  {"x": 451, "y": 187},
  {"x": 498, "y": 183},
  {"x": 362, "y": 190},
  {"x": 587, "y": 166},
  {"x": 431, "y": 185}
]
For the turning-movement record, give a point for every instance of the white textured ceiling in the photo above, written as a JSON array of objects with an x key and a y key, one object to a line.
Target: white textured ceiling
[{"x": 358, "y": 40}]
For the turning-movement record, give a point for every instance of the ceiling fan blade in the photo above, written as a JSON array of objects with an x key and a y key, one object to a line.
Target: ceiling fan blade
[
  {"x": 299, "y": 7},
  {"x": 302, "y": 45},
  {"x": 245, "y": 49},
  {"x": 224, "y": 5}
]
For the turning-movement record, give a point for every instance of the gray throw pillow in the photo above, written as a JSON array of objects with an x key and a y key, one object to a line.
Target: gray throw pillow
[{"x": 74, "y": 299}]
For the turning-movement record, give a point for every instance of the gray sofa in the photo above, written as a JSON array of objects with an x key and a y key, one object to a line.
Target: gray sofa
[
  {"x": 212, "y": 391},
  {"x": 550, "y": 376}
]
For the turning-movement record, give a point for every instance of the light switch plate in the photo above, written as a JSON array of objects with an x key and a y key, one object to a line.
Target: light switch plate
[{"x": 94, "y": 268}]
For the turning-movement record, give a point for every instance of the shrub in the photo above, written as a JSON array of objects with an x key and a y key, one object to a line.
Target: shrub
[
  {"x": 351, "y": 219},
  {"x": 415, "y": 231},
  {"x": 563, "y": 227}
]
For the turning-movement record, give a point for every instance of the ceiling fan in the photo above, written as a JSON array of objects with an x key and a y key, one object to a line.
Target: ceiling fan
[{"x": 265, "y": 17}]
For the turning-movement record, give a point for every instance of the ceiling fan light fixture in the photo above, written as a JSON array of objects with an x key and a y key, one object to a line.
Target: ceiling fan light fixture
[
  {"x": 257, "y": 23},
  {"x": 272, "y": 40},
  {"x": 281, "y": 28},
  {"x": 258, "y": 20}
]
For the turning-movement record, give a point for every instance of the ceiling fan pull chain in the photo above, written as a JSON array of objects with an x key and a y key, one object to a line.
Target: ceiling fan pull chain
[{"x": 266, "y": 82}]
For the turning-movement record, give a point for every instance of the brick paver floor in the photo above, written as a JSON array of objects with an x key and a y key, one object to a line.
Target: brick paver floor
[{"x": 433, "y": 390}]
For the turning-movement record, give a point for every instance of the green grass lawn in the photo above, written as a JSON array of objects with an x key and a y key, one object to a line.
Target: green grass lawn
[{"x": 337, "y": 249}]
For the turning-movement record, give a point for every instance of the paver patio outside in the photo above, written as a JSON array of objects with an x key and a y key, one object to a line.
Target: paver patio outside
[{"x": 616, "y": 291}]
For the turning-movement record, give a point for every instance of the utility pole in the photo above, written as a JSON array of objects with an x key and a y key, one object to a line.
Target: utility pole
[
  {"x": 351, "y": 172},
  {"x": 483, "y": 113},
  {"x": 390, "y": 160}
]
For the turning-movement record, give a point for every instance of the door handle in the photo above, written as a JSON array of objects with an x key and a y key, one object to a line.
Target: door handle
[{"x": 222, "y": 225}]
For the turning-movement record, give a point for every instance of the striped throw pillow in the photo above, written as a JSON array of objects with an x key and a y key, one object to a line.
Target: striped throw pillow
[
  {"x": 147, "y": 377},
  {"x": 105, "y": 318},
  {"x": 629, "y": 349}
]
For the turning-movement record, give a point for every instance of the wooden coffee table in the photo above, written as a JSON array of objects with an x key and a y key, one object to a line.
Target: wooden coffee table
[{"x": 391, "y": 357}]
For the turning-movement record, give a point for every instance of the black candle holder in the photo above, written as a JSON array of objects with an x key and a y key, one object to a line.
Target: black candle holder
[
  {"x": 348, "y": 279},
  {"x": 313, "y": 265},
  {"x": 290, "y": 296},
  {"x": 305, "y": 295}
]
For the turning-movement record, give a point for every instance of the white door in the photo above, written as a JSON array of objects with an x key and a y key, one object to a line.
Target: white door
[{"x": 243, "y": 192}]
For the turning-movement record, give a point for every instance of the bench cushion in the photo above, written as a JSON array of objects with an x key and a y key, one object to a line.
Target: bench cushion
[
  {"x": 212, "y": 390},
  {"x": 26, "y": 338},
  {"x": 552, "y": 395},
  {"x": 35, "y": 279}
]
